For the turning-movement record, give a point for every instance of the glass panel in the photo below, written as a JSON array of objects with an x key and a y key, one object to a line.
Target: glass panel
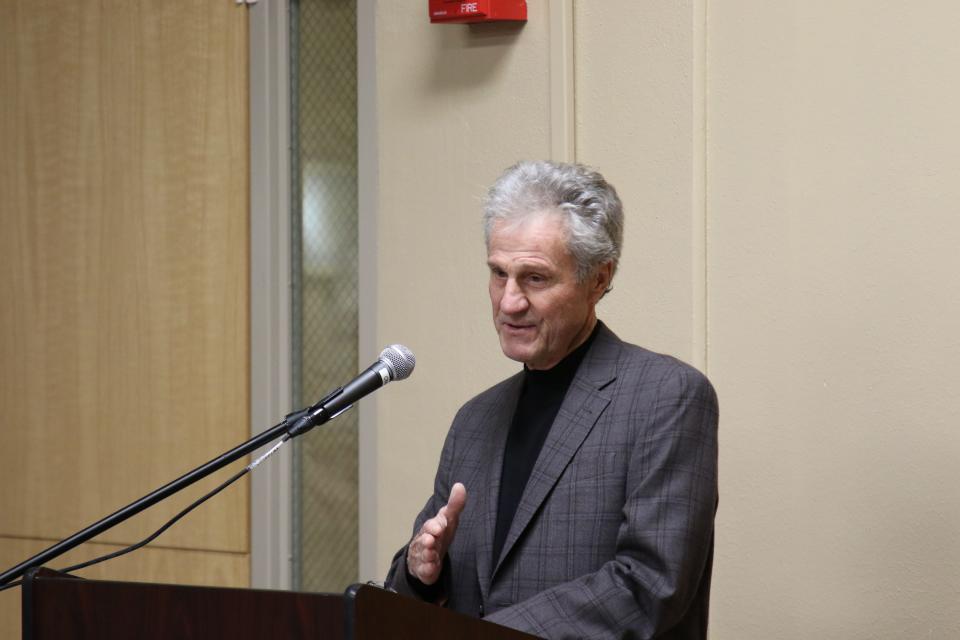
[{"x": 324, "y": 175}]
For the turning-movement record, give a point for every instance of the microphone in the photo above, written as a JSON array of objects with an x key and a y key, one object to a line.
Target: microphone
[{"x": 396, "y": 362}]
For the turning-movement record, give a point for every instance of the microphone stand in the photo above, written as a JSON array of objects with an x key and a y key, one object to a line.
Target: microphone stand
[{"x": 316, "y": 416}]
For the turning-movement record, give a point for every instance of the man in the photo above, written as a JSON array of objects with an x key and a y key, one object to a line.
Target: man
[{"x": 575, "y": 499}]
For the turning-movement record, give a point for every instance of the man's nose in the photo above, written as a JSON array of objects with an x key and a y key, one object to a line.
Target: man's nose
[{"x": 514, "y": 301}]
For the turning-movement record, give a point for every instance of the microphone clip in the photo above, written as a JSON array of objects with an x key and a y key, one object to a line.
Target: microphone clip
[{"x": 299, "y": 422}]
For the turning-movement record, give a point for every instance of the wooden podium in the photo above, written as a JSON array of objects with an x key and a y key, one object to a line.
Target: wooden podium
[{"x": 65, "y": 607}]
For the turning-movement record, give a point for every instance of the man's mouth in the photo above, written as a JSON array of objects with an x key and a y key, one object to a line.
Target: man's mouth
[{"x": 517, "y": 327}]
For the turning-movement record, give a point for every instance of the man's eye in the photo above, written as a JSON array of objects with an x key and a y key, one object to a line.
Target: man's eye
[{"x": 536, "y": 278}]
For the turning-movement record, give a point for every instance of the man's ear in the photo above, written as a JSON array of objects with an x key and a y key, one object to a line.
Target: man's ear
[{"x": 602, "y": 277}]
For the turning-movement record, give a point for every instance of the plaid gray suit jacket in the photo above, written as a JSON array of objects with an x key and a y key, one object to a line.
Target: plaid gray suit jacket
[{"x": 613, "y": 537}]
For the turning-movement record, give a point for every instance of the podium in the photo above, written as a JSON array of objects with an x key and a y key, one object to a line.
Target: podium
[{"x": 64, "y": 607}]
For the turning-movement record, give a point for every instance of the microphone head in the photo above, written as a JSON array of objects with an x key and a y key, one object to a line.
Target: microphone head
[{"x": 399, "y": 360}]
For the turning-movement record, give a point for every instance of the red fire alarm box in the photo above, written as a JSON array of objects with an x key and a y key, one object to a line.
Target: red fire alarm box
[{"x": 458, "y": 11}]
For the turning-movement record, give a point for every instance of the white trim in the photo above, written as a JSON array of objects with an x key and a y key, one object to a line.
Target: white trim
[
  {"x": 270, "y": 501},
  {"x": 368, "y": 179},
  {"x": 562, "y": 97}
]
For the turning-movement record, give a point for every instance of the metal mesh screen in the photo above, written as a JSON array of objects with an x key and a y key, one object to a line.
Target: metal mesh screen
[{"x": 324, "y": 174}]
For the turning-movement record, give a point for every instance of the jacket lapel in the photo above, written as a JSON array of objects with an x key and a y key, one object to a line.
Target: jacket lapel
[
  {"x": 499, "y": 420},
  {"x": 579, "y": 412}
]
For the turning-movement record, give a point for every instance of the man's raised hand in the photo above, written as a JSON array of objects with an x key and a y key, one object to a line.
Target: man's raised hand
[{"x": 428, "y": 548}]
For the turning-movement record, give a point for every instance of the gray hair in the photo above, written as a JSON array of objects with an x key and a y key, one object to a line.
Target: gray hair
[{"x": 588, "y": 204}]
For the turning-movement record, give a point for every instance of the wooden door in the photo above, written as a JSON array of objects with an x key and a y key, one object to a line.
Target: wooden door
[{"x": 123, "y": 279}]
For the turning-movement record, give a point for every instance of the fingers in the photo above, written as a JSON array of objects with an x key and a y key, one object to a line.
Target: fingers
[
  {"x": 425, "y": 549},
  {"x": 424, "y": 558}
]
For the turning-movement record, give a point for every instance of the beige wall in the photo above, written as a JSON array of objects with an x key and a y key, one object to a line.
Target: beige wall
[
  {"x": 123, "y": 254},
  {"x": 833, "y": 314},
  {"x": 638, "y": 77},
  {"x": 789, "y": 176}
]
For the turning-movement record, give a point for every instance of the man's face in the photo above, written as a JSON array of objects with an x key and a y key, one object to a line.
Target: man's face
[{"x": 540, "y": 311}]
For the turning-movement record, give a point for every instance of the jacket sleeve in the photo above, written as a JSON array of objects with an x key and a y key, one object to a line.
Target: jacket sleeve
[
  {"x": 398, "y": 578},
  {"x": 665, "y": 538}
]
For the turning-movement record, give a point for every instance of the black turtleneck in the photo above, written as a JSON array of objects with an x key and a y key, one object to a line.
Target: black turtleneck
[{"x": 540, "y": 400}]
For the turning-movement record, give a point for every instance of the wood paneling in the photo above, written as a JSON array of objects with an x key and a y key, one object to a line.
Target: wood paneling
[
  {"x": 159, "y": 564},
  {"x": 123, "y": 272}
]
